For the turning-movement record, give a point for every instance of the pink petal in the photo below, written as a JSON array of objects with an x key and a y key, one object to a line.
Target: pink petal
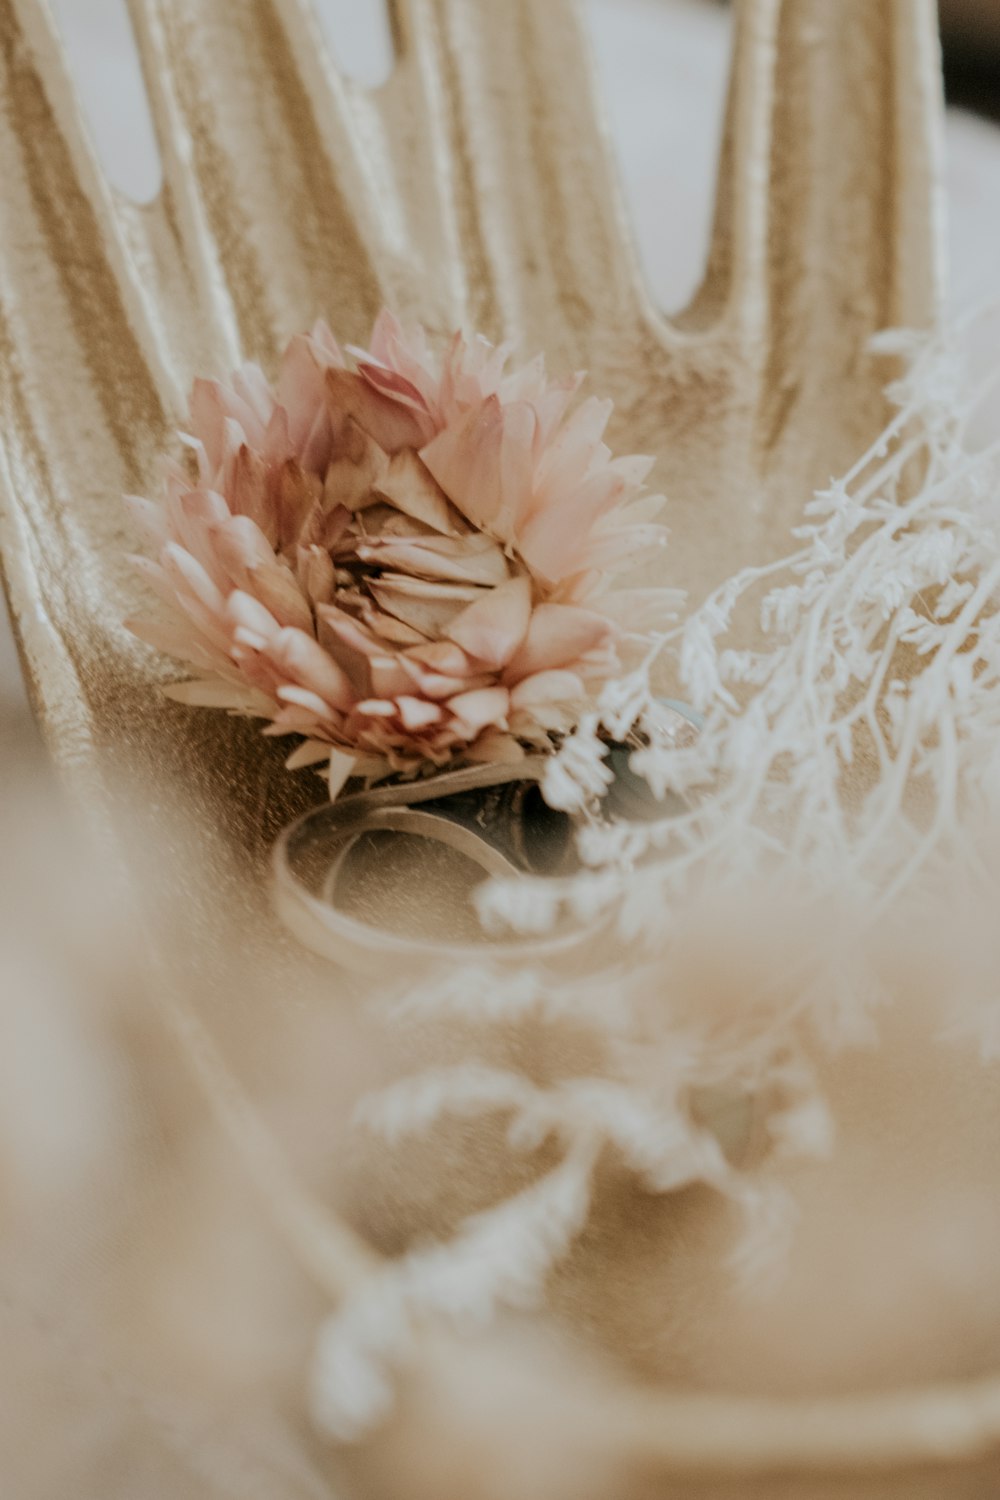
[
  {"x": 547, "y": 687},
  {"x": 517, "y": 467},
  {"x": 610, "y": 549},
  {"x": 496, "y": 748},
  {"x": 302, "y": 387},
  {"x": 349, "y": 631},
  {"x": 190, "y": 579},
  {"x": 243, "y": 610},
  {"x": 394, "y": 385},
  {"x": 303, "y": 698},
  {"x": 465, "y": 461},
  {"x": 411, "y": 488},
  {"x": 477, "y": 710},
  {"x": 252, "y": 386},
  {"x": 552, "y": 541},
  {"x": 407, "y": 355},
  {"x": 322, "y": 336},
  {"x": 388, "y": 628},
  {"x": 357, "y": 464},
  {"x": 389, "y": 677},
  {"x": 470, "y": 560},
  {"x": 309, "y": 753},
  {"x": 179, "y": 640},
  {"x": 277, "y": 445},
  {"x": 443, "y": 656},
  {"x": 149, "y": 517},
  {"x": 212, "y": 405},
  {"x": 421, "y": 603},
  {"x": 494, "y": 626},
  {"x": 439, "y": 685},
  {"x": 304, "y": 659},
  {"x": 558, "y": 635},
  {"x": 245, "y": 481},
  {"x": 240, "y": 545},
  {"x": 392, "y": 425},
  {"x": 418, "y": 713},
  {"x": 377, "y": 708},
  {"x": 275, "y": 586}
]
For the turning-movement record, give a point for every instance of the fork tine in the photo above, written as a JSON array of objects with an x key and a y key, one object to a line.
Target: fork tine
[
  {"x": 60, "y": 172},
  {"x": 188, "y": 189},
  {"x": 188, "y": 216},
  {"x": 828, "y": 224},
  {"x": 336, "y": 104},
  {"x": 272, "y": 234},
  {"x": 498, "y": 69}
]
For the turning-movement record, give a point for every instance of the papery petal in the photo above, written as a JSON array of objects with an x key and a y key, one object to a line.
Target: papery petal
[
  {"x": 440, "y": 685},
  {"x": 198, "y": 513},
  {"x": 389, "y": 677},
  {"x": 301, "y": 697},
  {"x": 553, "y": 541},
  {"x": 547, "y": 687},
  {"x": 212, "y": 404},
  {"x": 465, "y": 461},
  {"x": 376, "y": 708},
  {"x": 357, "y": 464},
  {"x": 494, "y": 748},
  {"x": 178, "y": 640},
  {"x": 642, "y": 610},
  {"x": 388, "y": 628},
  {"x": 215, "y": 694},
  {"x": 409, "y": 485},
  {"x": 476, "y": 710},
  {"x": 492, "y": 628},
  {"x": 558, "y": 634},
  {"x": 446, "y": 657},
  {"x": 426, "y": 606},
  {"x": 302, "y": 387},
  {"x": 274, "y": 585},
  {"x": 239, "y": 544},
  {"x": 246, "y": 484},
  {"x": 517, "y": 468},
  {"x": 473, "y": 560},
  {"x": 244, "y": 610},
  {"x": 392, "y": 425},
  {"x": 303, "y": 658},
  {"x": 322, "y": 336},
  {"x": 394, "y": 385},
  {"x": 418, "y": 713},
  {"x": 316, "y": 574},
  {"x": 309, "y": 753},
  {"x": 190, "y": 579},
  {"x": 613, "y": 547},
  {"x": 252, "y": 386},
  {"x": 297, "y": 493}
]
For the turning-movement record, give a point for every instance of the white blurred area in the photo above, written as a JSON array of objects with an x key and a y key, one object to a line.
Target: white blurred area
[{"x": 662, "y": 68}]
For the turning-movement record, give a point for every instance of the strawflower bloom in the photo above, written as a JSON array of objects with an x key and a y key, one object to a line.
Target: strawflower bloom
[{"x": 403, "y": 561}]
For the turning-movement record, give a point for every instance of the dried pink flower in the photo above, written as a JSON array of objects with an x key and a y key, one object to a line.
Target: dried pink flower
[{"x": 402, "y": 562}]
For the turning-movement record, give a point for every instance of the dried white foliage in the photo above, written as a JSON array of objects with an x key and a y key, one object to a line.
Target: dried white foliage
[{"x": 846, "y": 764}]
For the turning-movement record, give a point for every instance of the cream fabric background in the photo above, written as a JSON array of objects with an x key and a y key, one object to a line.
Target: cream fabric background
[{"x": 662, "y": 67}]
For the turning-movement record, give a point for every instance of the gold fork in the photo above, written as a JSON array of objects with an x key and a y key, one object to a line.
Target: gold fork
[{"x": 474, "y": 187}]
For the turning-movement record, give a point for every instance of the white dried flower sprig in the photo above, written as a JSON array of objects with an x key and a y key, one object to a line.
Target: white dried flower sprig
[
  {"x": 853, "y": 749},
  {"x": 881, "y": 638}
]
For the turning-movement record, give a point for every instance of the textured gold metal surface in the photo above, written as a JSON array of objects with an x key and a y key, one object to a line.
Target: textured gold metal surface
[{"x": 473, "y": 188}]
